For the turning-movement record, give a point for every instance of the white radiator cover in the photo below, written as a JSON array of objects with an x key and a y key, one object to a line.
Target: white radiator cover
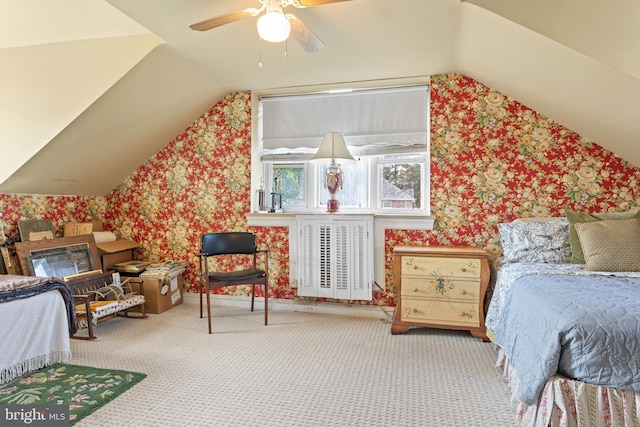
[{"x": 335, "y": 256}]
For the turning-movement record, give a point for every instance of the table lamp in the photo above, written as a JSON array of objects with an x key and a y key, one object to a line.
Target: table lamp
[{"x": 333, "y": 149}]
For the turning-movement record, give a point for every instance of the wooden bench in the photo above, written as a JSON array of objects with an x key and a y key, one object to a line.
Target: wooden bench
[{"x": 88, "y": 289}]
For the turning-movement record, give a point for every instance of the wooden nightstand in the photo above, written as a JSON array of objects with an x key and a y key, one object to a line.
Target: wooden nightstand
[{"x": 440, "y": 287}]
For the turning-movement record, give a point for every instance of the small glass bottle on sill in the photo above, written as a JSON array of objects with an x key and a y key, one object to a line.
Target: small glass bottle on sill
[{"x": 262, "y": 202}]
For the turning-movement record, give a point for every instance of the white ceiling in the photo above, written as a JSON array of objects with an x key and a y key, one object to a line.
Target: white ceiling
[{"x": 93, "y": 88}]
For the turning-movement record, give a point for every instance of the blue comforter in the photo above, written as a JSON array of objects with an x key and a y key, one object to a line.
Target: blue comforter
[{"x": 583, "y": 327}]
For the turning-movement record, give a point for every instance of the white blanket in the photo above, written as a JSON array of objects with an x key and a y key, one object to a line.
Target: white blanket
[{"x": 33, "y": 334}]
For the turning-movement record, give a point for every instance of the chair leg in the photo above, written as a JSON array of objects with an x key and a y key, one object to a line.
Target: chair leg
[
  {"x": 266, "y": 303},
  {"x": 201, "y": 300},
  {"x": 89, "y": 316},
  {"x": 253, "y": 295},
  {"x": 209, "y": 307}
]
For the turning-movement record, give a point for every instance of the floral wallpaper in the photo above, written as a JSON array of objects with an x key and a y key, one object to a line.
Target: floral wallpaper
[
  {"x": 492, "y": 160},
  {"x": 59, "y": 209},
  {"x": 199, "y": 183}
]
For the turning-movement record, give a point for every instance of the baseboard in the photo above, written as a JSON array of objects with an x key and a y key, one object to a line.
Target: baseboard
[{"x": 370, "y": 311}]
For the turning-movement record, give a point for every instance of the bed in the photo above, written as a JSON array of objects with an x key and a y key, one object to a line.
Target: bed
[
  {"x": 37, "y": 319},
  {"x": 568, "y": 334}
]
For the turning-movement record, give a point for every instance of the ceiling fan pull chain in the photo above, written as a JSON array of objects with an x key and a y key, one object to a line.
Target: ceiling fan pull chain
[{"x": 259, "y": 52}]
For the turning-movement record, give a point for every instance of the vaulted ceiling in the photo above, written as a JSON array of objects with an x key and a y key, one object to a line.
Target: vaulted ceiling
[{"x": 91, "y": 89}]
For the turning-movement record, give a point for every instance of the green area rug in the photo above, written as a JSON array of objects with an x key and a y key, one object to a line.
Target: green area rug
[{"x": 83, "y": 388}]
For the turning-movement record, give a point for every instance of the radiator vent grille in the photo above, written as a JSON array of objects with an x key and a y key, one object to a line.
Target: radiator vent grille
[{"x": 336, "y": 259}]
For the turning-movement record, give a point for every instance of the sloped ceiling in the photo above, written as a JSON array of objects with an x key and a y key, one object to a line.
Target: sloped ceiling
[
  {"x": 576, "y": 61},
  {"x": 95, "y": 88},
  {"x": 55, "y": 65}
]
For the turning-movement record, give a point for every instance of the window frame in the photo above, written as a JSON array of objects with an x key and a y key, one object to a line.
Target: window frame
[
  {"x": 313, "y": 181},
  {"x": 424, "y": 175},
  {"x": 260, "y": 175},
  {"x": 268, "y": 175}
]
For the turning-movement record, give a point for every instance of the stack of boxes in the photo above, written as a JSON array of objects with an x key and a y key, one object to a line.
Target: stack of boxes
[
  {"x": 160, "y": 293},
  {"x": 117, "y": 251}
]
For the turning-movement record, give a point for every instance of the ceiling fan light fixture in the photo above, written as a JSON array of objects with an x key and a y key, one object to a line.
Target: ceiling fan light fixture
[{"x": 273, "y": 26}]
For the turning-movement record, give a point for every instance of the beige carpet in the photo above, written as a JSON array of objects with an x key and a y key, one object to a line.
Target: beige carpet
[{"x": 304, "y": 369}]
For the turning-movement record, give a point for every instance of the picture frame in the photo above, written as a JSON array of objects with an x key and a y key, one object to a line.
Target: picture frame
[
  {"x": 62, "y": 261},
  {"x": 36, "y": 229},
  {"x": 63, "y": 255}
]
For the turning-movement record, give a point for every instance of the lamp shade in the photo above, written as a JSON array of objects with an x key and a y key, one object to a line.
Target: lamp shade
[
  {"x": 331, "y": 148},
  {"x": 273, "y": 26}
]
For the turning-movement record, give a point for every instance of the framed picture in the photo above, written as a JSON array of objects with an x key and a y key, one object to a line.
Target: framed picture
[
  {"x": 36, "y": 229},
  {"x": 60, "y": 257},
  {"x": 61, "y": 262}
]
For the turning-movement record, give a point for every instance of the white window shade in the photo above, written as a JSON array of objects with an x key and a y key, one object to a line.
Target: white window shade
[{"x": 377, "y": 121}]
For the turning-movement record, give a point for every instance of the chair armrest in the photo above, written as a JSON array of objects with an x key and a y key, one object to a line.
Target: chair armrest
[
  {"x": 138, "y": 282},
  {"x": 264, "y": 251},
  {"x": 88, "y": 297},
  {"x": 88, "y": 314},
  {"x": 203, "y": 265},
  {"x": 83, "y": 299}
]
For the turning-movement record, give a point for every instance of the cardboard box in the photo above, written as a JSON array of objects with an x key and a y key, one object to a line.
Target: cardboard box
[
  {"x": 157, "y": 299},
  {"x": 116, "y": 252},
  {"x": 81, "y": 228}
]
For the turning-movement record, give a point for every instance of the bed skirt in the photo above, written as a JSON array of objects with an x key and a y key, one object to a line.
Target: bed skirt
[{"x": 570, "y": 403}]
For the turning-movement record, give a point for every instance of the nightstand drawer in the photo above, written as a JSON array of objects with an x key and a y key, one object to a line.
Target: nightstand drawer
[
  {"x": 440, "y": 288},
  {"x": 440, "y": 267},
  {"x": 440, "y": 312}
]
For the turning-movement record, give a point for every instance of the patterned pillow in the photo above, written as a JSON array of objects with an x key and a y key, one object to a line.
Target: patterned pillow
[
  {"x": 610, "y": 245},
  {"x": 577, "y": 256},
  {"x": 536, "y": 241}
]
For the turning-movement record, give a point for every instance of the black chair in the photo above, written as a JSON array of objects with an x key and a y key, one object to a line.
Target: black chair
[{"x": 232, "y": 243}]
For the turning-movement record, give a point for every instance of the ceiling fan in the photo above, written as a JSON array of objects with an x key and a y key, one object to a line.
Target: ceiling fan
[{"x": 274, "y": 25}]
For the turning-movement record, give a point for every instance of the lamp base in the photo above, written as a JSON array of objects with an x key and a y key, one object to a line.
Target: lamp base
[{"x": 333, "y": 182}]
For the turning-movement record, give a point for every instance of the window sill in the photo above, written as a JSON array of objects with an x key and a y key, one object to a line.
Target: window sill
[
  {"x": 278, "y": 219},
  {"x": 381, "y": 221}
]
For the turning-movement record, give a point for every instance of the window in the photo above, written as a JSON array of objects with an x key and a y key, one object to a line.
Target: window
[
  {"x": 401, "y": 182},
  {"x": 290, "y": 180},
  {"x": 352, "y": 194},
  {"x": 385, "y": 129},
  {"x": 387, "y": 183}
]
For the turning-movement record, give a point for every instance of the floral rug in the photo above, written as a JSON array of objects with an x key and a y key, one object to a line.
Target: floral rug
[{"x": 83, "y": 388}]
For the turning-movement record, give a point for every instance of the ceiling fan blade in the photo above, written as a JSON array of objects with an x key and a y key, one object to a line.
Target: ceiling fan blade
[
  {"x": 223, "y": 19},
  {"x": 303, "y": 35},
  {"x": 310, "y": 3}
]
